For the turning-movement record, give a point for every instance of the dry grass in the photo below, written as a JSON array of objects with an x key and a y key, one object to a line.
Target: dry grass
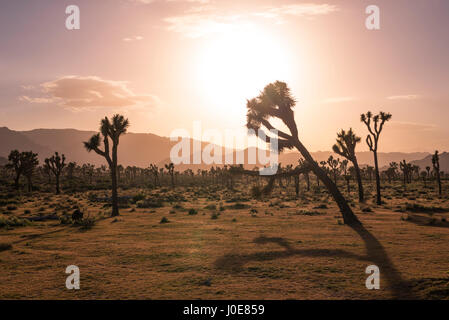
[{"x": 296, "y": 249}]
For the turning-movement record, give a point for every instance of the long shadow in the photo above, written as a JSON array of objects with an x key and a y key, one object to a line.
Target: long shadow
[
  {"x": 375, "y": 254},
  {"x": 427, "y": 221}
]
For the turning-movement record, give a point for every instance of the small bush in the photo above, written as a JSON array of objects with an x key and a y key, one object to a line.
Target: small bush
[
  {"x": 13, "y": 222},
  {"x": 192, "y": 212},
  {"x": 308, "y": 213},
  {"x": 150, "y": 203},
  {"x": 5, "y": 246},
  {"x": 256, "y": 192},
  {"x": 214, "y": 216},
  {"x": 11, "y": 208},
  {"x": 138, "y": 197},
  {"x": 164, "y": 220},
  {"x": 211, "y": 207},
  {"x": 86, "y": 223}
]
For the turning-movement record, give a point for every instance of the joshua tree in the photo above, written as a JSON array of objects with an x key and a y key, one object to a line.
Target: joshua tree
[
  {"x": 109, "y": 130},
  {"x": 306, "y": 169},
  {"x": 155, "y": 171},
  {"x": 345, "y": 146},
  {"x": 71, "y": 168},
  {"x": 29, "y": 162},
  {"x": 373, "y": 140},
  {"x": 436, "y": 169},
  {"x": 56, "y": 163},
  {"x": 428, "y": 172},
  {"x": 276, "y": 101},
  {"x": 333, "y": 165},
  {"x": 15, "y": 163},
  {"x": 23, "y": 163},
  {"x": 171, "y": 170},
  {"x": 344, "y": 170},
  {"x": 404, "y": 166}
]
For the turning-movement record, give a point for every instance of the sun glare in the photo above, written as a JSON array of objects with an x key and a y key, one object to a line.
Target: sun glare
[{"x": 235, "y": 66}]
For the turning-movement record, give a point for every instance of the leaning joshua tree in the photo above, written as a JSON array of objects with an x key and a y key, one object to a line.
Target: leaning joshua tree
[
  {"x": 373, "y": 140},
  {"x": 109, "y": 130},
  {"x": 436, "y": 169},
  {"x": 56, "y": 163},
  {"x": 345, "y": 146},
  {"x": 276, "y": 101}
]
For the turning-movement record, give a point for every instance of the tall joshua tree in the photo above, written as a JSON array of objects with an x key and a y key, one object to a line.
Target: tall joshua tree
[
  {"x": 56, "y": 163},
  {"x": 110, "y": 130},
  {"x": 16, "y": 165},
  {"x": 171, "y": 170},
  {"x": 345, "y": 146},
  {"x": 29, "y": 162},
  {"x": 375, "y": 125},
  {"x": 276, "y": 101},
  {"x": 436, "y": 169}
]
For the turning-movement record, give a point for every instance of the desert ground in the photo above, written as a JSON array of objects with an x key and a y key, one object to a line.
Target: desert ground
[{"x": 209, "y": 242}]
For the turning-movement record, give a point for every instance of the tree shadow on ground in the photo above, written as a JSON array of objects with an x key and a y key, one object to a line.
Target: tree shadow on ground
[
  {"x": 375, "y": 254},
  {"x": 425, "y": 221}
]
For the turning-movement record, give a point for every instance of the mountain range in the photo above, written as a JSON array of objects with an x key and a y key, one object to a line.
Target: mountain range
[{"x": 141, "y": 149}]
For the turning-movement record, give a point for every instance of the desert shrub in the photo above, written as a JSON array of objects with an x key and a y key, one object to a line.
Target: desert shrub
[
  {"x": 321, "y": 206},
  {"x": 164, "y": 220},
  {"x": 85, "y": 223},
  {"x": 192, "y": 212},
  {"x": 13, "y": 222},
  {"x": 11, "y": 208},
  {"x": 150, "y": 203},
  {"x": 308, "y": 213},
  {"x": 65, "y": 219},
  {"x": 138, "y": 197},
  {"x": 214, "y": 216},
  {"x": 211, "y": 207},
  {"x": 367, "y": 209},
  {"x": 238, "y": 206},
  {"x": 5, "y": 246},
  {"x": 256, "y": 192}
]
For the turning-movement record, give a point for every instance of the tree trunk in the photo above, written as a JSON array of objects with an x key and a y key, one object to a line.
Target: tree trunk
[
  {"x": 113, "y": 170},
  {"x": 439, "y": 183},
  {"x": 57, "y": 184},
  {"x": 297, "y": 185},
  {"x": 307, "y": 181},
  {"x": 348, "y": 216},
  {"x": 359, "y": 180},
  {"x": 16, "y": 181},
  {"x": 376, "y": 168}
]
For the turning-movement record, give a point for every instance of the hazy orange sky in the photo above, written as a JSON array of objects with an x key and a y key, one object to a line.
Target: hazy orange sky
[{"x": 167, "y": 63}]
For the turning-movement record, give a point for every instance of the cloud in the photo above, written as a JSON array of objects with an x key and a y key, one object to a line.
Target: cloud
[
  {"x": 297, "y": 10},
  {"x": 404, "y": 97},
  {"x": 88, "y": 92},
  {"x": 339, "y": 99},
  {"x": 134, "y": 38},
  {"x": 204, "y": 20},
  {"x": 413, "y": 126}
]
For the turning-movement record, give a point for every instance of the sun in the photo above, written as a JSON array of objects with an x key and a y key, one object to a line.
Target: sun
[{"x": 236, "y": 66}]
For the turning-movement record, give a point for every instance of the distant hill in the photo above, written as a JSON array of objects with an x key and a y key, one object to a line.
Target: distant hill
[
  {"x": 141, "y": 149},
  {"x": 427, "y": 161}
]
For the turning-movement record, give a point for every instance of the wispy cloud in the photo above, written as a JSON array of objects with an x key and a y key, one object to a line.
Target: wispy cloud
[
  {"x": 339, "y": 99},
  {"x": 404, "y": 97},
  {"x": 134, "y": 38},
  {"x": 204, "y": 20},
  {"x": 86, "y": 92}
]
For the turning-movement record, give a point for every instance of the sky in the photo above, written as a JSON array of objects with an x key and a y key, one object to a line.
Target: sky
[{"x": 168, "y": 63}]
